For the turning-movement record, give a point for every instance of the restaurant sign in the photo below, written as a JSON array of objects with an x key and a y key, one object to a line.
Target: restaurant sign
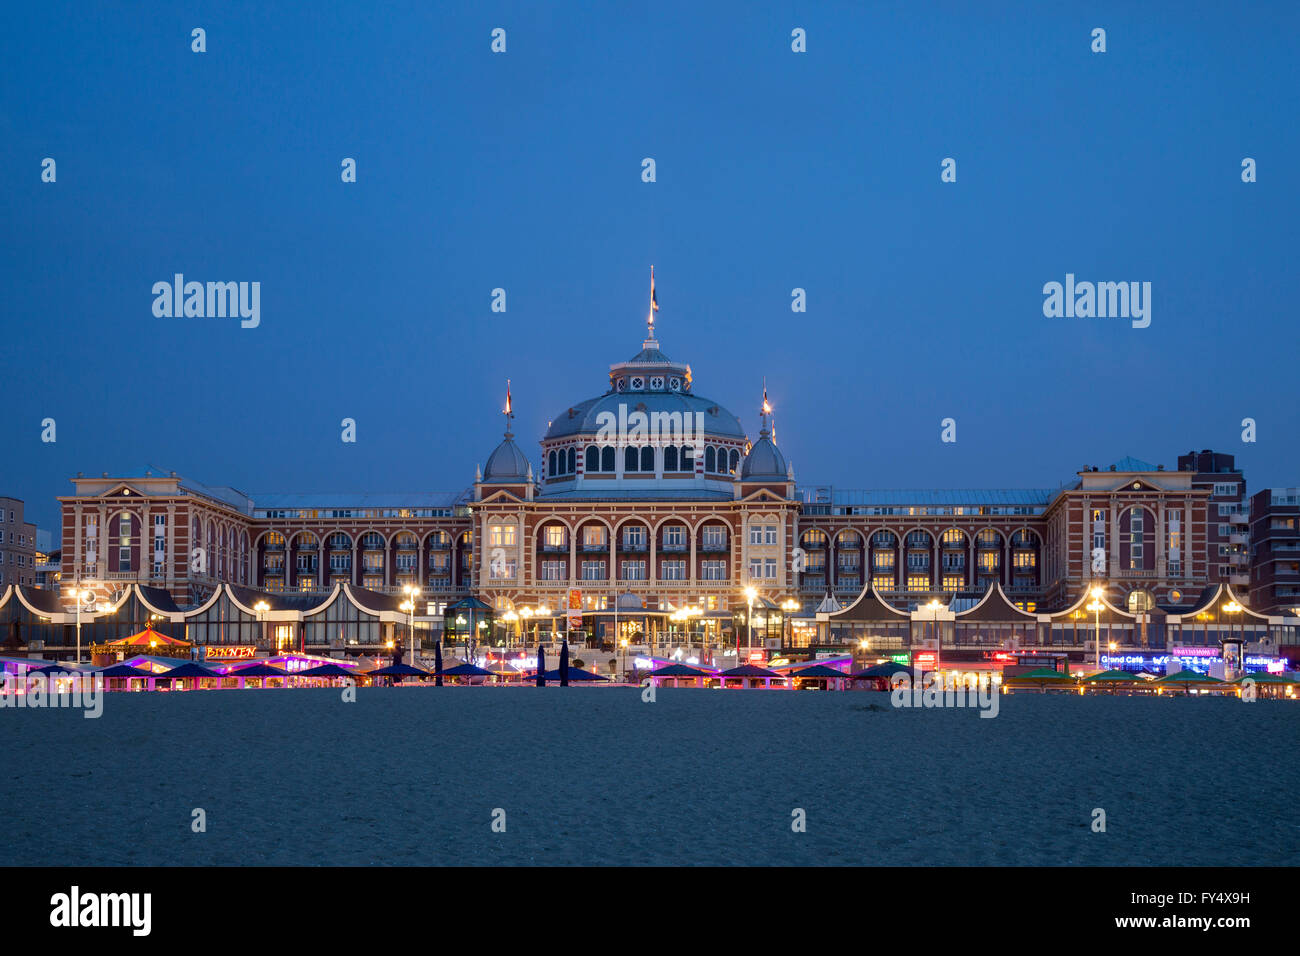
[{"x": 229, "y": 652}]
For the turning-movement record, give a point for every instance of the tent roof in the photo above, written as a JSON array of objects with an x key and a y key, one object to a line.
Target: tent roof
[
  {"x": 869, "y": 606},
  {"x": 679, "y": 670},
  {"x": 749, "y": 670},
  {"x": 147, "y": 638},
  {"x": 817, "y": 670},
  {"x": 994, "y": 606}
]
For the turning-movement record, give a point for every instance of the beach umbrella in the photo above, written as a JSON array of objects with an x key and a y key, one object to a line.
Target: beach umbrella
[
  {"x": 541, "y": 666},
  {"x": 467, "y": 670},
  {"x": 52, "y": 669},
  {"x": 749, "y": 670},
  {"x": 123, "y": 670},
  {"x": 578, "y": 674},
  {"x": 1186, "y": 679},
  {"x": 257, "y": 670},
  {"x": 564, "y": 663},
  {"x": 398, "y": 670},
  {"x": 1111, "y": 677},
  {"x": 188, "y": 669},
  {"x": 881, "y": 671},
  {"x": 1263, "y": 677},
  {"x": 327, "y": 670},
  {"x": 680, "y": 670},
  {"x": 818, "y": 670},
  {"x": 1041, "y": 677},
  {"x": 437, "y": 663}
]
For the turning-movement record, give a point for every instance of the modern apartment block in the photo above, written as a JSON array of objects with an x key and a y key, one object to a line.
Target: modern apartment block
[
  {"x": 1229, "y": 510},
  {"x": 17, "y": 544},
  {"x": 1275, "y": 550}
]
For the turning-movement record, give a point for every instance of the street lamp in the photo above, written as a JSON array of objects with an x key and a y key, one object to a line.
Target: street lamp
[
  {"x": 1233, "y": 608},
  {"x": 1096, "y": 607},
  {"x": 934, "y": 607},
  {"x": 750, "y": 594},
  {"x": 261, "y": 607},
  {"x": 82, "y": 597},
  {"x": 411, "y": 591},
  {"x": 527, "y": 614},
  {"x": 789, "y": 606}
]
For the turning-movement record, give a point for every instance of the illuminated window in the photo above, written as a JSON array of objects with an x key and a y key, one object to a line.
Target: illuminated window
[
  {"x": 553, "y": 536},
  {"x": 883, "y": 582},
  {"x": 501, "y": 536},
  {"x": 918, "y": 582}
]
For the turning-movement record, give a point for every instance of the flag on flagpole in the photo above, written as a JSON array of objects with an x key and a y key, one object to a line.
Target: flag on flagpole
[
  {"x": 654, "y": 299},
  {"x": 767, "y": 407},
  {"x": 509, "y": 406}
]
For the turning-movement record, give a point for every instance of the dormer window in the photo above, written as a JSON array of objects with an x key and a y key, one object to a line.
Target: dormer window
[
  {"x": 657, "y": 383},
  {"x": 638, "y": 382}
]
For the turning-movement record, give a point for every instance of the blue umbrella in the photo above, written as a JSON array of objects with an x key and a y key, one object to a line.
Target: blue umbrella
[
  {"x": 467, "y": 670},
  {"x": 564, "y": 663},
  {"x": 124, "y": 670},
  {"x": 541, "y": 666},
  {"x": 398, "y": 670},
  {"x": 326, "y": 670},
  {"x": 189, "y": 669}
]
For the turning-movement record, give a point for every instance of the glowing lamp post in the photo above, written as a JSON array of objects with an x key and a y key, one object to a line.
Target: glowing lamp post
[
  {"x": 934, "y": 607},
  {"x": 82, "y": 597},
  {"x": 412, "y": 592},
  {"x": 789, "y": 606},
  {"x": 1095, "y": 607},
  {"x": 750, "y": 594},
  {"x": 1232, "y": 608}
]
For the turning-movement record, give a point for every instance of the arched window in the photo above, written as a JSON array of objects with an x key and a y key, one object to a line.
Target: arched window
[
  {"x": 593, "y": 458},
  {"x": 607, "y": 458},
  {"x": 647, "y": 459},
  {"x": 670, "y": 458},
  {"x": 631, "y": 459},
  {"x": 710, "y": 460},
  {"x": 550, "y": 465},
  {"x": 687, "y": 460},
  {"x": 572, "y": 463},
  {"x": 735, "y": 460}
]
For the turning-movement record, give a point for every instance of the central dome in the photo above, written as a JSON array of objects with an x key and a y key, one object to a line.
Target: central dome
[{"x": 652, "y": 383}]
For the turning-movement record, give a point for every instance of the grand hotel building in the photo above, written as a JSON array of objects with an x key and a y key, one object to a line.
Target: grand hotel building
[{"x": 642, "y": 527}]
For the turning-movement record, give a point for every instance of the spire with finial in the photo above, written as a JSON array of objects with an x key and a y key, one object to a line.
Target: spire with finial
[
  {"x": 650, "y": 341},
  {"x": 766, "y": 408},
  {"x": 509, "y": 410}
]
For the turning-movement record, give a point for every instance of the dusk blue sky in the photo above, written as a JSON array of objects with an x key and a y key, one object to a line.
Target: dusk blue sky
[{"x": 775, "y": 170}]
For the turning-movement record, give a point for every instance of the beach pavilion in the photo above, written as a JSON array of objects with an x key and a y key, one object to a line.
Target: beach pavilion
[
  {"x": 680, "y": 675},
  {"x": 750, "y": 676}
]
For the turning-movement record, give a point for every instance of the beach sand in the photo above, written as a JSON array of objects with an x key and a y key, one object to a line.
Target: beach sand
[{"x": 596, "y": 776}]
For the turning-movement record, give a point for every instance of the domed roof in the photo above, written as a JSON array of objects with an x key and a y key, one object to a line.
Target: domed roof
[
  {"x": 507, "y": 463},
  {"x": 585, "y": 418},
  {"x": 764, "y": 460}
]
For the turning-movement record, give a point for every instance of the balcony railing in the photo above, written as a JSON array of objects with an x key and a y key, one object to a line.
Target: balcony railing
[
  {"x": 713, "y": 547},
  {"x": 556, "y": 548},
  {"x": 674, "y": 548},
  {"x": 633, "y": 546}
]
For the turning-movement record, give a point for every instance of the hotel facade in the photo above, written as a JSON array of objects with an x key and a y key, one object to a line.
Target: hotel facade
[{"x": 650, "y": 501}]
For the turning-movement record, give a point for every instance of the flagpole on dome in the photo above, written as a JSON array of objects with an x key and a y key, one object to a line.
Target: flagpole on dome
[
  {"x": 654, "y": 307},
  {"x": 509, "y": 409}
]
